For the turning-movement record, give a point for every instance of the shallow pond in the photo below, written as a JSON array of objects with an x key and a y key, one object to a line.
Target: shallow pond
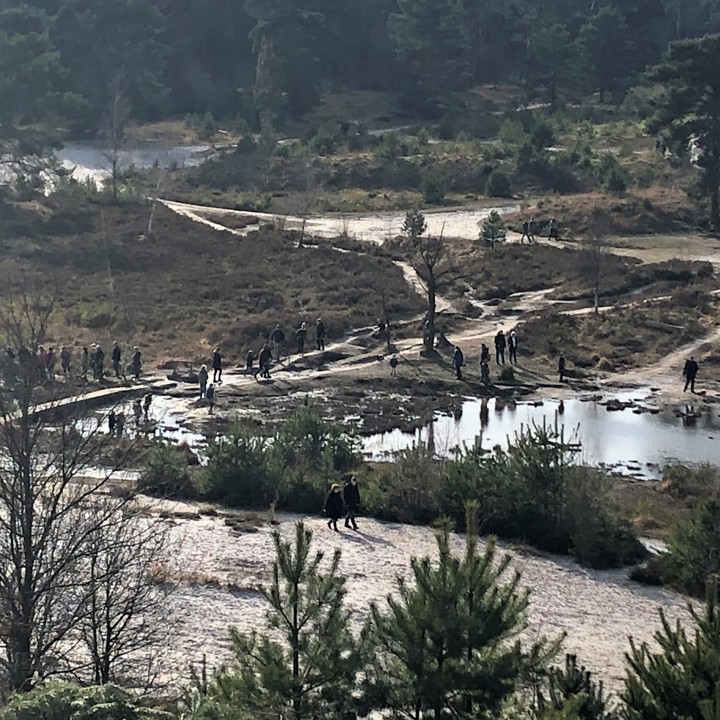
[
  {"x": 635, "y": 444},
  {"x": 93, "y": 160}
]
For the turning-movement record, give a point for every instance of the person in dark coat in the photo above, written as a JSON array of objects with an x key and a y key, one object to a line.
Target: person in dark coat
[
  {"x": 351, "y": 496},
  {"x": 484, "y": 354},
  {"x": 85, "y": 362},
  {"x": 320, "y": 334},
  {"x": 458, "y": 361},
  {"x": 65, "y": 361},
  {"x": 99, "y": 363},
  {"x": 116, "y": 358},
  {"x": 301, "y": 335},
  {"x": 690, "y": 372},
  {"x": 136, "y": 364},
  {"x": 203, "y": 380},
  {"x": 210, "y": 398},
  {"x": 561, "y": 368},
  {"x": 512, "y": 347},
  {"x": 500, "y": 345},
  {"x": 217, "y": 366},
  {"x": 278, "y": 339},
  {"x": 112, "y": 422},
  {"x": 334, "y": 507},
  {"x": 264, "y": 358}
]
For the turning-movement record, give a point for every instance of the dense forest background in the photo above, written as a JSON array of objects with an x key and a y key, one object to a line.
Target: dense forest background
[{"x": 75, "y": 60}]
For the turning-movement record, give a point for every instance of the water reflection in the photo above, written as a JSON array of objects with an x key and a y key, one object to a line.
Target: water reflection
[{"x": 628, "y": 441}]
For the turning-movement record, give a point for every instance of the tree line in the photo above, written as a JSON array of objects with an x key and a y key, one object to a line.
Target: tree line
[{"x": 253, "y": 58}]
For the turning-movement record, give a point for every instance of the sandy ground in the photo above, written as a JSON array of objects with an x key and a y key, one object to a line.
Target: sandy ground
[{"x": 598, "y": 610}]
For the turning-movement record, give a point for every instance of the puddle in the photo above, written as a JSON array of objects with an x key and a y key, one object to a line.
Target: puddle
[{"x": 638, "y": 445}]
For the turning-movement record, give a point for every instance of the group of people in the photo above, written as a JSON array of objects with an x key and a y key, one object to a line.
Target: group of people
[
  {"x": 345, "y": 501},
  {"x": 502, "y": 342},
  {"x": 43, "y": 362},
  {"x": 529, "y": 233},
  {"x": 277, "y": 338},
  {"x": 140, "y": 411}
]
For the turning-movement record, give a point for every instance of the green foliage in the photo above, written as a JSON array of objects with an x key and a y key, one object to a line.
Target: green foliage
[
  {"x": 610, "y": 175},
  {"x": 572, "y": 686},
  {"x": 693, "y": 552},
  {"x": 493, "y": 229},
  {"x": 447, "y": 644},
  {"x": 67, "y": 701},
  {"x": 498, "y": 185},
  {"x": 688, "y": 111},
  {"x": 241, "y": 470},
  {"x": 307, "y": 667},
  {"x": 392, "y": 146},
  {"x": 204, "y": 125},
  {"x": 324, "y": 142},
  {"x": 432, "y": 187},
  {"x": 533, "y": 491},
  {"x": 165, "y": 472},
  {"x": 292, "y": 468},
  {"x": 414, "y": 224},
  {"x": 681, "y": 678}
]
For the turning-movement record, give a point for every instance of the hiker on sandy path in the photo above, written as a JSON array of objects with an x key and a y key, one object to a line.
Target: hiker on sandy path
[
  {"x": 690, "y": 372},
  {"x": 217, "y": 366}
]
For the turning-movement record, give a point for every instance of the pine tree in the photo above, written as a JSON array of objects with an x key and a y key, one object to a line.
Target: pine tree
[
  {"x": 311, "y": 671},
  {"x": 682, "y": 679},
  {"x": 414, "y": 225},
  {"x": 493, "y": 229},
  {"x": 448, "y": 646}
]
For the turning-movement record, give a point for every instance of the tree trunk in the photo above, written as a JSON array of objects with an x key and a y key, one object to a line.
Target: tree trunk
[
  {"x": 715, "y": 207},
  {"x": 429, "y": 329}
]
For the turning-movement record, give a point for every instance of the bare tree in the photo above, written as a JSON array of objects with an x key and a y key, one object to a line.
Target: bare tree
[
  {"x": 436, "y": 271},
  {"x": 51, "y": 524},
  {"x": 118, "y": 117},
  {"x": 126, "y": 619},
  {"x": 593, "y": 259}
]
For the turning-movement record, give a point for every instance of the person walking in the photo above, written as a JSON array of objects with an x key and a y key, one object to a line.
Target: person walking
[
  {"x": 85, "y": 362},
  {"x": 690, "y": 372},
  {"x": 116, "y": 358},
  {"x": 531, "y": 232},
  {"x": 112, "y": 422},
  {"x": 301, "y": 336},
  {"x": 277, "y": 338},
  {"x": 334, "y": 507},
  {"x": 119, "y": 423},
  {"x": 249, "y": 363},
  {"x": 512, "y": 347},
  {"x": 500, "y": 344},
  {"x": 264, "y": 358},
  {"x": 458, "y": 361},
  {"x": 320, "y": 334},
  {"x": 99, "y": 363},
  {"x": 51, "y": 360},
  {"x": 485, "y": 373},
  {"x": 561, "y": 368},
  {"x": 147, "y": 401},
  {"x": 210, "y": 398},
  {"x": 394, "y": 362},
  {"x": 525, "y": 232},
  {"x": 217, "y": 366},
  {"x": 484, "y": 354},
  {"x": 65, "y": 361},
  {"x": 136, "y": 364},
  {"x": 203, "y": 380},
  {"x": 552, "y": 230},
  {"x": 137, "y": 411},
  {"x": 351, "y": 497}
]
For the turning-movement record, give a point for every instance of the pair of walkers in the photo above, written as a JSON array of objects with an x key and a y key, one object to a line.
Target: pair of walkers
[{"x": 345, "y": 502}]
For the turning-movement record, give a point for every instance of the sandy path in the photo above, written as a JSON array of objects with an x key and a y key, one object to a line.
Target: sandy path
[{"x": 599, "y": 610}]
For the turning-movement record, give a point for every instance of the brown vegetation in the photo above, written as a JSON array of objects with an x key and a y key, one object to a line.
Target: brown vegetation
[{"x": 187, "y": 288}]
